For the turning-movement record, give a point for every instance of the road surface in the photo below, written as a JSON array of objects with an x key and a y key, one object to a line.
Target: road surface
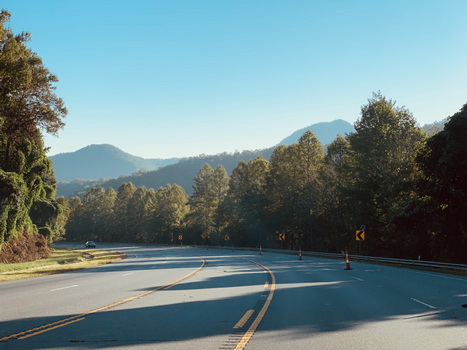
[{"x": 193, "y": 298}]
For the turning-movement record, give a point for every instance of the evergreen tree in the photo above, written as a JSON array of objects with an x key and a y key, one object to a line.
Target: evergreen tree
[
  {"x": 121, "y": 224},
  {"x": 384, "y": 147},
  {"x": 137, "y": 216},
  {"x": 171, "y": 208},
  {"x": 243, "y": 209},
  {"x": 97, "y": 209},
  {"x": 75, "y": 229},
  {"x": 336, "y": 205},
  {"x": 294, "y": 188},
  {"x": 209, "y": 190}
]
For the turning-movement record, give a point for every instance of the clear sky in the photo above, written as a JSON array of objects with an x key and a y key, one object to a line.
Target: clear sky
[{"x": 170, "y": 78}]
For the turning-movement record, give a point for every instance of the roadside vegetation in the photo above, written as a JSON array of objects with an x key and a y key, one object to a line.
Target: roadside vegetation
[
  {"x": 28, "y": 107},
  {"x": 59, "y": 261}
]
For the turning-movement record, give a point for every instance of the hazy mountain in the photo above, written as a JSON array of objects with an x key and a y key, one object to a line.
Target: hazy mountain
[
  {"x": 95, "y": 159},
  {"x": 77, "y": 187},
  {"x": 326, "y": 132},
  {"x": 183, "y": 172},
  {"x": 101, "y": 161}
]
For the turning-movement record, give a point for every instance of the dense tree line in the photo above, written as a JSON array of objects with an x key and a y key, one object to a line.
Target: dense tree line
[
  {"x": 406, "y": 188},
  {"x": 129, "y": 215},
  {"x": 28, "y": 206}
]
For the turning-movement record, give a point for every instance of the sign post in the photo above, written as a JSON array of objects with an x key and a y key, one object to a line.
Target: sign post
[
  {"x": 281, "y": 237},
  {"x": 360, "y": 236},
  {"x": 204, "y": 236}
]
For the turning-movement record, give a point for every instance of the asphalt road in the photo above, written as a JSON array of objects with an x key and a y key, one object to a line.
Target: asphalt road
[{"x": 174, "y": 298}]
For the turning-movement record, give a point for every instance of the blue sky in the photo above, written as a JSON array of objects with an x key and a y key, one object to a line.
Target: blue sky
[{"x": 169, "y": 78}]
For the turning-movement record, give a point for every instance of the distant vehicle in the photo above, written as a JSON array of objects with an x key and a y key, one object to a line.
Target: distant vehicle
[{"x": 90, "y": 244}]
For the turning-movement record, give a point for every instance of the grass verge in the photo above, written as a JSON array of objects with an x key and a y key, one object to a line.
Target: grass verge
[{"x": 61, "y": 260}]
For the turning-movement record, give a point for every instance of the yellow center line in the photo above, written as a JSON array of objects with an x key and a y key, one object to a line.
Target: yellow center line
[
  {"x": 49, "y": 329},
  {"x": 79, "y": 317},
  {"x": 244, "y": 319},
  {"x": 249, "y": 333}
]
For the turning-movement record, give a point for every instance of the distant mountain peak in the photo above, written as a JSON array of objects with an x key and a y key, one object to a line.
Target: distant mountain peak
[
  {"x": 326, "y": 132},
  {"x": 101, "y": 161}
]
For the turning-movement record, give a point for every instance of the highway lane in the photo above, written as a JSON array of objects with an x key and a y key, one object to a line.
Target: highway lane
[
  {"x": 319, "y": 305},
  {"x": 92, "y": 288},
  {"x": 198, "y": 312},
  {"x": 314, "y": 304}
]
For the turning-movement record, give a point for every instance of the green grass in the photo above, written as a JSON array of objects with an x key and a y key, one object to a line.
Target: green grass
[{"x": 61, "y": 260}]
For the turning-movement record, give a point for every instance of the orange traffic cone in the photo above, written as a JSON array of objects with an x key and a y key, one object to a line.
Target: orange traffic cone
[
  {"x": 347, "y": 262},
  {"x": 300, "y": 254}
]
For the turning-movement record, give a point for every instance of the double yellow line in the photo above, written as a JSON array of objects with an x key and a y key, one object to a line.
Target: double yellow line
[
  {"x": 69, "y": 320},
  {"x": 252, "y": 329}
]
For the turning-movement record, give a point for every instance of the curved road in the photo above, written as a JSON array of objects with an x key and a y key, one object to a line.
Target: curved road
[{"x": 173, "y": 298}]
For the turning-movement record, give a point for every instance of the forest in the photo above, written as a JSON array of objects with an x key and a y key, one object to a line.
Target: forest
[{"x": 407, "y": 188}]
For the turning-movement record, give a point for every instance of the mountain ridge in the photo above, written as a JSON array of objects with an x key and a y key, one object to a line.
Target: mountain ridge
[
  {"x": 95, "y": 165},
  {"x": 325, "y": 132}
]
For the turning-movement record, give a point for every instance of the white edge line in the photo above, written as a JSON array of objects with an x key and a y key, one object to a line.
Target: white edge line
[
  {"x": 421, "y": 302},
  {"x": 128, "y": 274},
  {"x": 54, "y": 290},
  {"x": 359, "y": 279}
]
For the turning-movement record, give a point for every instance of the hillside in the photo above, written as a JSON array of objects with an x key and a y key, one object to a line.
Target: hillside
[
  {"x": 181, "y": 173},
  {"x": 101, "y": 161}
]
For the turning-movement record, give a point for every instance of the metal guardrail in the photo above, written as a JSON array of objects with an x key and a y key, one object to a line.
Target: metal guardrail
[
  {"x": 400, "y": 262},
  {"x": 418, "y": 263}
]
